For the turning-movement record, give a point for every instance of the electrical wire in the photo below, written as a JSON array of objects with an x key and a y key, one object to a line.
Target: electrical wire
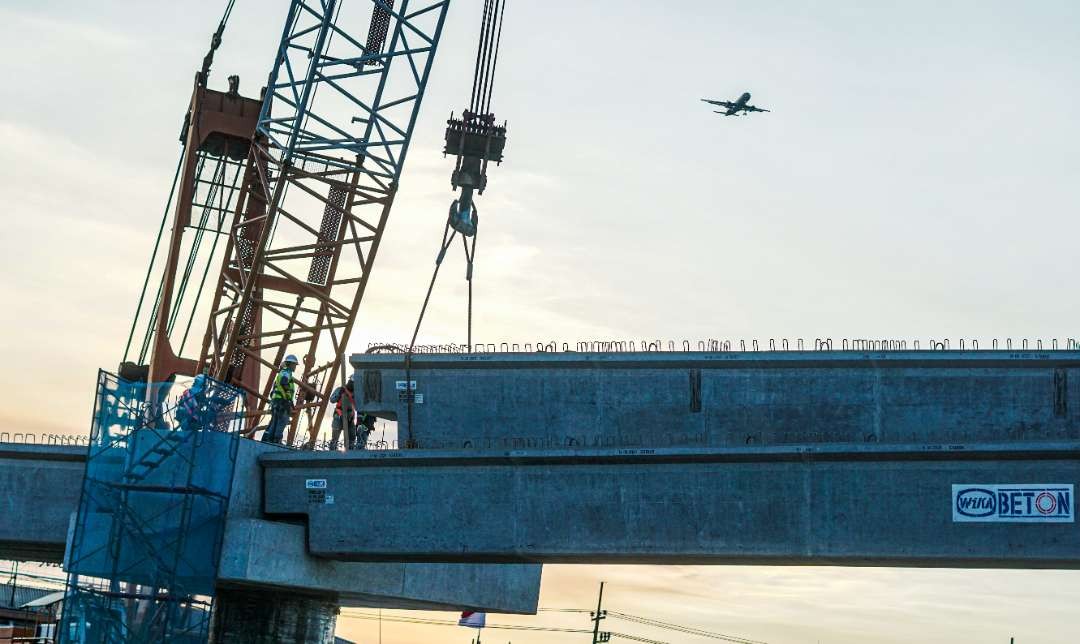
[
  {"x": 507, "y": 627},
  {"x": 688, "y": 630},
  {"x": 647, "y": 621}
]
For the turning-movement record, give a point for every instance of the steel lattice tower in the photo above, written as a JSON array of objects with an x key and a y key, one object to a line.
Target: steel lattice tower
[{"x": 327, "y": 155}]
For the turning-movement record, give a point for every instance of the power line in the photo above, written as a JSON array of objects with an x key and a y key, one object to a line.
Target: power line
[
  {"x": 634, "y": 619},
  {"x": 647, "y": 621},
  {"x": 445, "y": 622},
  {"x": 505, "y": 627},
  {"x": 689, "y": 630}
]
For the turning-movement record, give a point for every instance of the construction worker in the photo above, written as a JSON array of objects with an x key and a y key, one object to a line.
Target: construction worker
[
  {"x": 191, "y": 404},
  {"x": 364, "y": 429},
  {"x": 344, "y": 416},
  {"x": 281, "y": 401}
]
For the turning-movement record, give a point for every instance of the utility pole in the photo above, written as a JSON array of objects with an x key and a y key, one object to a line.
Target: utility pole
[{"x": 600, "y": 614}]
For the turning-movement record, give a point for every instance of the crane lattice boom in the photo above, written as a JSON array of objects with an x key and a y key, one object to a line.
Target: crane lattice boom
[{"x": 327, "y": 154}]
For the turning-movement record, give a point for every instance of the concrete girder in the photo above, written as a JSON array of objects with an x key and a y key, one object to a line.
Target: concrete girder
[
  {"x": 724, "y": 399},
  {"x": 863, "y": 505},
  {"x": 39, "y": 491}
]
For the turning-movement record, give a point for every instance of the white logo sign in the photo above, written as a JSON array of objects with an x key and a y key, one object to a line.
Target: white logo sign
[
  {"x": 315, "y": 484},
  {"x": 400, "y": 385},
  {"x": 1034, "y": 503}
]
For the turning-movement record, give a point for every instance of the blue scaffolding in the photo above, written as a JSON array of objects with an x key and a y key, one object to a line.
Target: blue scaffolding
[{"x": 145, "y": 543}]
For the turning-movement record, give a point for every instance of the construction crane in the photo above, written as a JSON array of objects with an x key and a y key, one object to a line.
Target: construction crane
[{"x": 284, "y": 201}]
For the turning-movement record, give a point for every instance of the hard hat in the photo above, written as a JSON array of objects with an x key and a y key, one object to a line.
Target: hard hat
[{"x": 291, "y": 358}]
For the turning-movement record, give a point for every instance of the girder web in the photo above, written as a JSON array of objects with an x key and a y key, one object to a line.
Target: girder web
[{"x": 329, "y": 149}]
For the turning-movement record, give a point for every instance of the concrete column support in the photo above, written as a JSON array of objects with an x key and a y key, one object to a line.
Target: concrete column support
[{"x": 265, "y": 617}]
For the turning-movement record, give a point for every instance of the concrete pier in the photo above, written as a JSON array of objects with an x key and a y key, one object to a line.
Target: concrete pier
[{"x": 252, "y": 616}]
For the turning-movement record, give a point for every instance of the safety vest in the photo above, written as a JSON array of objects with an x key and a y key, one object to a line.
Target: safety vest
[
  {"x": 283, "y": 392},
  {"x": 337, "y": 406}
]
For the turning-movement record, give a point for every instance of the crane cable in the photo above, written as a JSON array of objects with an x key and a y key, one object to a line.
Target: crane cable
[
  {"x": 487, "y": 56},
  {"x": 448, "y": 238},
  {"x": 215, "y": 42}
]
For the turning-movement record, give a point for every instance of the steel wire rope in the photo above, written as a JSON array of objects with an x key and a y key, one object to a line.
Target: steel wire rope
[
  {"x": 214, "y": 44},
  {"x": 495, "y": 60},
  {"x": 473, "y": 105},
  {"x": 196, "y": 244},
  {"x": 153, "y": 256},
  {"x": 409, "y": 392},
  {"x": 489, "y": 37},
  {"x": 152, "y": 322},
  {"x": 469, "y": 256},
  {"x": 224, "y": 202}
]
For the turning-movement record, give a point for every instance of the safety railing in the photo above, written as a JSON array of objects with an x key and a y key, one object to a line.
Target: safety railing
[
  {"x": 32, "y": 438},
  {"x": 740, "y": 345},
  {"x": 527, "y": 442}
]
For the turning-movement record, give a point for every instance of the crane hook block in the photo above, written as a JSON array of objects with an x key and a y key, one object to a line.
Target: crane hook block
[
  {"x": 476, "y": 138},
  {"x": 464, "y": 219}
]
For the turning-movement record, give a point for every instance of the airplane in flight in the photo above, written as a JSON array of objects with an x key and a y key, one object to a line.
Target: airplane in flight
[{"x": 733, "y": 109}]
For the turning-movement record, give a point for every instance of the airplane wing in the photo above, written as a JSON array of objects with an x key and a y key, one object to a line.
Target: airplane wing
[
  {"x": 727, "y": 104},
  {"x": 751, "y": 108}
]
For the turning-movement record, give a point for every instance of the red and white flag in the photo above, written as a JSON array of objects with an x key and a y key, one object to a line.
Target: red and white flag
[{"x": 472, "y": 620}]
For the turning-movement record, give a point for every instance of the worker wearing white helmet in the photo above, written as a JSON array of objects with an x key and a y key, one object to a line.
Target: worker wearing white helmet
[{"x": 281, "y": 401}]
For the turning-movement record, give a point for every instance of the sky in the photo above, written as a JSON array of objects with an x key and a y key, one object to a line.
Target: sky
[{"x": 917, "y": 178}]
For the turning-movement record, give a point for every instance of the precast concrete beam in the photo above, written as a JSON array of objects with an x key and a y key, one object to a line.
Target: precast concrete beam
[
  {"x": 262, "y": 553},
  {"x": 860, "y": 505},
  {"x": 39, "y": 490},
  {"x": 515, "y": 401}
]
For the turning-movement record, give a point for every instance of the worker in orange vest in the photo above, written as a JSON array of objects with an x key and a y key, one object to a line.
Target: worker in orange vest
[{"x": 344, "y": 416}]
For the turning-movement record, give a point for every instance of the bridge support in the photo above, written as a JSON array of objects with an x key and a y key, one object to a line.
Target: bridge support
[{"x": 252, "y": 616}]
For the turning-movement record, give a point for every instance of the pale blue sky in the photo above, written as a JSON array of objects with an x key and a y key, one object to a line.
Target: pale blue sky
[{"x": 918, "y": 176}]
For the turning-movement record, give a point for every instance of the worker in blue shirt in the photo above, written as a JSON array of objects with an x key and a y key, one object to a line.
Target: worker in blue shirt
[
  {"x": 281, "y": 401},
  {"x": 190, "y": 408}
]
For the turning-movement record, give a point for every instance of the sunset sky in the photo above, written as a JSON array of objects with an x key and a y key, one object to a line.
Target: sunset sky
[{"x": 917, "y": 178}]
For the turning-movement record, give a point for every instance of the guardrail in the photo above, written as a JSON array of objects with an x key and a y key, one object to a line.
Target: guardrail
[
  {"x": 33, "y": 438},
  {"x": 720, "y": 344}
]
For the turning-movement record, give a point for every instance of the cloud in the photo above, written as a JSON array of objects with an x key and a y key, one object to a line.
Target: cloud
[{"x": 74, "y": 34}]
